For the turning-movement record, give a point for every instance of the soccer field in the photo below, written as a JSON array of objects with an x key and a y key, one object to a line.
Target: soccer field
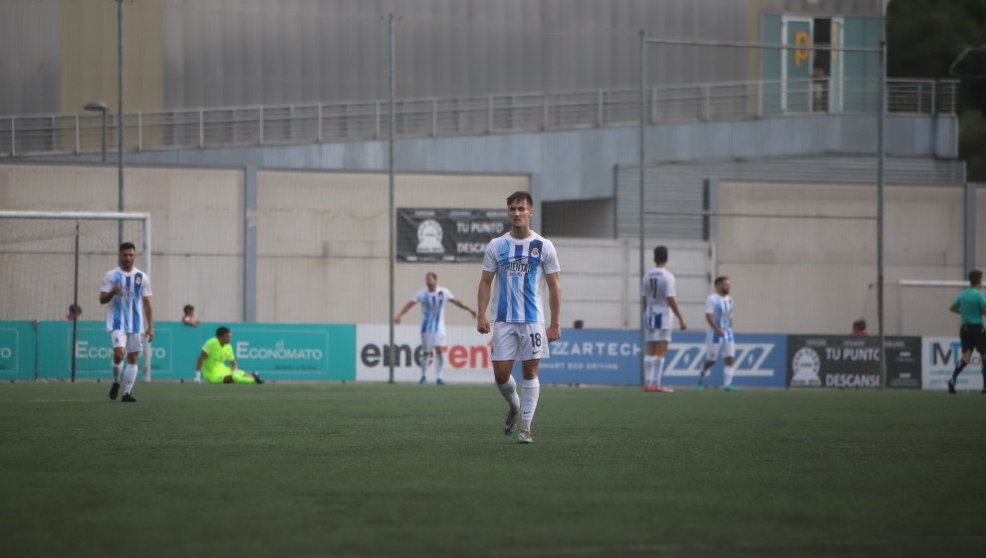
[{"x": 399, "y": 470}]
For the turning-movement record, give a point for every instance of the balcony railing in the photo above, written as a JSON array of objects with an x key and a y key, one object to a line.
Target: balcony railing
[{"x": 206, "y": 128}]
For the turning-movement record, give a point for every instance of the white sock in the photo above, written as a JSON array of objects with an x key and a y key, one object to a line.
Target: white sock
[
  {"x": 425, "y": 363},
  {"x": 439, "y": 365},
  {"x": 649, "y": 362},
  {"x": 529, "y": 402},
  {"x": 129, "y": 377},
  {"x": 727, "y": 375},
  {"x": 509, "y": 391},
  {"x": 117, "y": 372},
  {"x": 658, "y": 370}
]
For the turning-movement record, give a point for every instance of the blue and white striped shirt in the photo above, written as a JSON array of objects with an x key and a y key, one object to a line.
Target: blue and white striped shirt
[
  {"x": 520, "y": 267},
  {"x": 656, "y": 288},
  {"x": 433, "y": 308},
  {"x": 721, "y": 309},
  {"x": 125, "y": 312}
]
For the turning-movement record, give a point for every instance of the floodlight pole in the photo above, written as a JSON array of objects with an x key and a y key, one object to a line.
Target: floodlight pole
[
  {"x": 75, "y": 296},
  {"x": 640, "y": 217},
  {"x": 881, "y": 159},
  {"x": 392, "y": 350},
  {"x": 119, "y": 123}
]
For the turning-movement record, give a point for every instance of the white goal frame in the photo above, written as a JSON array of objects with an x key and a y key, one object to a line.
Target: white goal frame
[
  {"x": 145, "y": 218},
  {"x": 920, "y": 283}
]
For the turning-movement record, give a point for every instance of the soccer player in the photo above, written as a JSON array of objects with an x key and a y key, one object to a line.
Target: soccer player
[
  {"x": 521, "y": 261},
  {"x": 432, "y": 299},
  {"x": 971, "y": 305},
  {"x": 719, "y": 334},
  {"x": 126, "y": 291},
  {"x": 658, "y": 297},
  {"x": 212, "y": 362}
]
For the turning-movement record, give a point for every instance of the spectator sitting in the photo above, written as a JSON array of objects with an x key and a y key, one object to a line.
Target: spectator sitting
[
  {"x": 74, "y": 311},
  {"x": 859, "y": 327},
  {"x": 189, "y": 317}
]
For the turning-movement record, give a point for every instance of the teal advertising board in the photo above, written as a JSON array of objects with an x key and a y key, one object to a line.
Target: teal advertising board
[
  {"x": 276, "y": 351},
  {"x": 18, "y": 350}
]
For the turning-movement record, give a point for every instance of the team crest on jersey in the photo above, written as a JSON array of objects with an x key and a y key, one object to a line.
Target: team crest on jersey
[
  {"x": 535, "y": 252},
  {"x": 137, "y": 280}
]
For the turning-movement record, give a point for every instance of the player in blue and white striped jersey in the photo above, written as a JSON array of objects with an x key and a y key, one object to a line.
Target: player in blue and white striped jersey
[
  {"x": 129, "y": 317},
  {"x": 521, "y": 262},
  {"x": 432, "y": 299},
  {"x": 719, "y": 341},
  {"x": 657, "y": 294}
]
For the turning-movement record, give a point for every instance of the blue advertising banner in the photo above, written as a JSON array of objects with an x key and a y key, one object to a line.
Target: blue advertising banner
[
  {"x": 277, "y": 351},
  {"x": 18, "y": 350},
  {"x": 597, "y": 356}
]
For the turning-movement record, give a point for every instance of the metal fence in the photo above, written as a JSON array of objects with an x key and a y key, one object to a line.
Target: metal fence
[{"x": 494, "y": 114}]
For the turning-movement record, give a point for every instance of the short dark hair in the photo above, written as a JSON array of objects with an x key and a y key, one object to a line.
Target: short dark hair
[
  {"x": 859, "y": 325},
  {"x": 661, "y": 254},
  {"x": 520, "y": 195},
  {"x": 433, "y": 274},
  {"x": 720, "y": 279},
  {"x": 187, "y": 308},
  {"x": 975, "y": 276},
  {"x": 222, "y": 330},
  {"x": 128, "y": 246}
]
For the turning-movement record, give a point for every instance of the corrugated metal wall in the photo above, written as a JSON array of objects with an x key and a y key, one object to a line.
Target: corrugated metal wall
[{"x": 241, "y": 52}]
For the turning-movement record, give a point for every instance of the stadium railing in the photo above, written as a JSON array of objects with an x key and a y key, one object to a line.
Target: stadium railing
[{"x": 203, "y": 128}]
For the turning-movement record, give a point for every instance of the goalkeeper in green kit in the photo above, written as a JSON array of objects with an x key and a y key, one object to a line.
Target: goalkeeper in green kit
[{"x": 212, "y": 362}]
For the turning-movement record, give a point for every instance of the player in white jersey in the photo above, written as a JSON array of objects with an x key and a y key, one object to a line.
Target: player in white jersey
[
  {"x": 719, "y": 341},
  {"x": 126, "y": 291},
  {"x": 432, "y": 299},
  {"x": 659, "y": 301},
  {"x": 522, "y": 262}
]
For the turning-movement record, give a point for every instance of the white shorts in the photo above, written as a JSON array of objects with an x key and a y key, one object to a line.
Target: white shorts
[
  {"x": 657, "y": 335},
  {"x": 716, "y": 349},
  {"x": 132, "y": 342},
  {"x": 519, "y": 341},
  {"x": 432, "y": 339}
]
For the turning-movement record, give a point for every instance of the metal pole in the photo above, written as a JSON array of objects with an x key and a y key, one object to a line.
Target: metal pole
[
  {"x": 119, "y": 123},
  {"x": 390, "y": 213},
  {"x": 104, "y": 133},
  {"x": 640, "y": 162},
  {"x": 75, "y": 298},
  {"x": 881, "y": 156}
]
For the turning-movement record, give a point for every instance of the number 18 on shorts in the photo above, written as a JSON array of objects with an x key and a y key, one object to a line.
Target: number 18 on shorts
[{"x": 519, "y": 341}]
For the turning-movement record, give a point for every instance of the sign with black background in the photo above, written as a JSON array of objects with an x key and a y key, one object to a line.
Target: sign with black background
[
  {"x": 843, "y": 361},
  {"x": 447, "y": 235}
]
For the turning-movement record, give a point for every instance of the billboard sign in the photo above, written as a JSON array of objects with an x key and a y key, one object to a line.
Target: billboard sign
[{"x": 447, "y": 235}]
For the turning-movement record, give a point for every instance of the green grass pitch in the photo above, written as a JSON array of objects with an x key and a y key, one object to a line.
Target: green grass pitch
[{"x": 364, "y": 470}]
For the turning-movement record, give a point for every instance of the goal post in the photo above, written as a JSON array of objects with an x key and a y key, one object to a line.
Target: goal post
[
  {"x": 922, "y": 306},
  {"x": 46, "y": 257}
]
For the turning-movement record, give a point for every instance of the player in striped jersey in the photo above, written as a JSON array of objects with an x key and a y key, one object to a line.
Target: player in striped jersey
[
  {"x": 432, "y": 299},
  {"x": 522, "y": 262},
  {"x": 126, "y": 291},
  {"x": 659, "y": 300},
  {"x": 719, "y": 339}
]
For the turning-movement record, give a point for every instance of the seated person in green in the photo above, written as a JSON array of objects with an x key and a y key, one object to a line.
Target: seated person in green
[{"x": 212, "y": 362}]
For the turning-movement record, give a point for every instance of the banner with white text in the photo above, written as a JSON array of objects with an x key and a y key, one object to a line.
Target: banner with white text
[
  {"x": 846, "y": 361},
  {"x": 447, "y": 235}
]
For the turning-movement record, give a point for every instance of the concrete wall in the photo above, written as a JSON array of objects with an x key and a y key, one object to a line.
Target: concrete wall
[
  {"x": 197, "y": 238},
  {"x": 322, "y": 249},
  {"x": 816, "y": 275}
]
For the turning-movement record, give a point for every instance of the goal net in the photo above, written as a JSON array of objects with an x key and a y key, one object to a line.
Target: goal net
[
  {"x": 52, "y": 261},
  {"x": 921, "y": 307}
]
